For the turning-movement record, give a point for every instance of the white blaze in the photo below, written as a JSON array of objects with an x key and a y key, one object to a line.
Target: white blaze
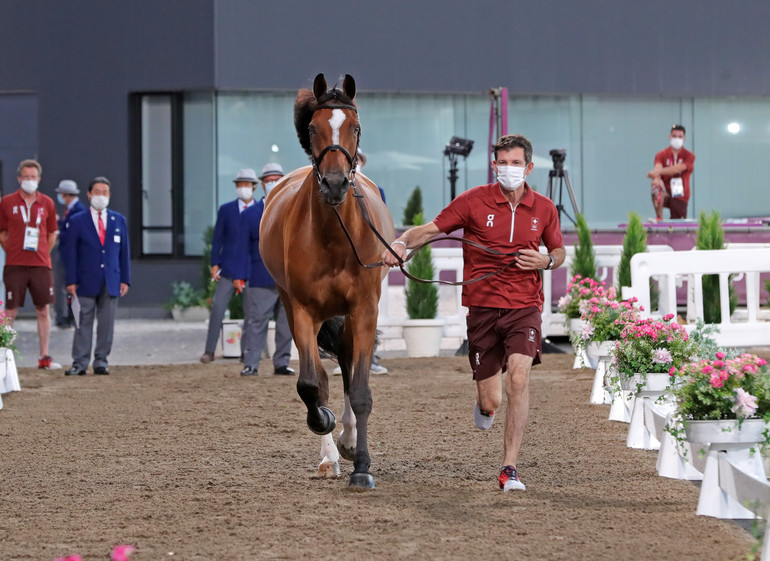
[{"x": 338, "y": 117}]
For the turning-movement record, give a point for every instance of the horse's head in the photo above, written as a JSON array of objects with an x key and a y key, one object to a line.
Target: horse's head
[{"x": 332, "y": 135}]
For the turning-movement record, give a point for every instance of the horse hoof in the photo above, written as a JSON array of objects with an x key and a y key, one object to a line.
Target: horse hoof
[
  {"x": 328, "y": 470},
  {"x": 361, "y": 481},
  {"x": 347, "y": 453},
  {"x": 327, "y": 424}
]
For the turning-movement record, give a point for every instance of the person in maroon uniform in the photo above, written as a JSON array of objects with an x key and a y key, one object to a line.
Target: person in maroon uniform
[
  {"x": 28, "y": 231},
  {"x": 504, "y": 318},
  {"x": 671, "y": 176}
]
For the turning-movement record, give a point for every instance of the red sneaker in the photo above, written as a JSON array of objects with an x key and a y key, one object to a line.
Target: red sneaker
[
  {"x": 47, "y": 363},
  {"x": 509, "y": 479}
]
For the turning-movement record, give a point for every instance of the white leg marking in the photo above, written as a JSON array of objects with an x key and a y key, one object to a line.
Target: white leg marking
[
  {"x": 328, "y": 449},
  {"x": 338, "y": 117},
  {"x": 348, "y": 434}
]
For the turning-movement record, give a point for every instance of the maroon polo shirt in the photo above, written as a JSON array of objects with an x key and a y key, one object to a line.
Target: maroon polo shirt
[
  {"x": 488, "y": 218},
  {"x": 12, "y": 221},
  {"x": 666, "y": 158}
]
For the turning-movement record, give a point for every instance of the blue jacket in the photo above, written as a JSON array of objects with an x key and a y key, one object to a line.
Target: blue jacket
[
  {"x": 77, "y": 208},
  {"x": 248, "y": 243},
  {"x": 223, "y": 245},
  {"x": 90, "y": 265}
]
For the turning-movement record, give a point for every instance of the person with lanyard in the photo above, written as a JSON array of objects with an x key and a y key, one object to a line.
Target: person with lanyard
[
  {"x": 504, "y": 317},
  {"x": 261, "y": 300},
  {"x": 96, "y": 261},
  {"x": 671, "y": 176},
  {"x": 67, "y": 195},
  {"x": 225, "y": 258},
  {"x": 28, "y": 231}
]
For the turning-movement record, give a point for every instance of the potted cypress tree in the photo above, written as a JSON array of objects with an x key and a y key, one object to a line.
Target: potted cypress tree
[
  {"x": 711, "y": 235},
  {"x": 635, "y": 241},
  {"x": 422, "y": 331}
]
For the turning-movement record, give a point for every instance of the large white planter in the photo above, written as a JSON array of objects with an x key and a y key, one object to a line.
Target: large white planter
[
  {"x": 741, "y": 449},
  {"x": 655, "y": 383},
  {"x": 645, "y": 389},
  {"x": 193, "y": 313},
  {"x": 597, "y": 350},
  {"x": 9, "y": 376},
  {"x": 423, "y": 337},
  {"x": 581, "y": 358},
  {"x": 599, "y": 357}
]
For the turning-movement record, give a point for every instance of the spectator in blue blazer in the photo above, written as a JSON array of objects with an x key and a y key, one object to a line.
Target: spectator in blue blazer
[
  {"x": 96, "y": 261},
  {"x": 67, "y": 195},
  {"x": 225, "y": 259},
  {"x": 261, "y": 300}
]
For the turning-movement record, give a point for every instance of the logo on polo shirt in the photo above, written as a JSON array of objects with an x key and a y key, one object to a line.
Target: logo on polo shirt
[
  {"x": 490, "y": 220},
  {"x": 532, "y": 335},
  {"x": 535, "y": 224}
]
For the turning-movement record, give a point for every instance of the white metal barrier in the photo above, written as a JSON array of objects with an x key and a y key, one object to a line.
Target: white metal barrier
[{"x": 669, "y": 267}]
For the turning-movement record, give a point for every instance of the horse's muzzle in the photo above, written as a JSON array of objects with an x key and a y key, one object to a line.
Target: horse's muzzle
[{"x": 334, "y": 188}]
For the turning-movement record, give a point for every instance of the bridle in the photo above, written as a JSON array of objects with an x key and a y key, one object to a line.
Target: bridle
[{"x": 353, "y": 161}]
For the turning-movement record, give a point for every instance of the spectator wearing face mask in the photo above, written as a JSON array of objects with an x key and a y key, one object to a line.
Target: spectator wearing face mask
[
  {"x": 225, "y": 259},
  {"x": 67, "y": 195},
  {"x": 261, "y": 301},
  {"x": 28, "y": 232},
  {"x": 671, "y": 176},
  {"x": 96, "y": 262}
]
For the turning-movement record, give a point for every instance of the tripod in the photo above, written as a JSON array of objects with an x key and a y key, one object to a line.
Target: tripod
[{"x": 561, "y": 173}]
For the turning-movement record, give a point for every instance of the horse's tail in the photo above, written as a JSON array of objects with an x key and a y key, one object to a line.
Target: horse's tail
[
  {"x": 330, "y": 334},
  {"x": 329, "y": 337}
]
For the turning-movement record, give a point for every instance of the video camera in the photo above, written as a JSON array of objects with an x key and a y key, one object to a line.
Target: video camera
[
  {"x": 459, "y": 146},
  {"x": 558, "y": 155}
]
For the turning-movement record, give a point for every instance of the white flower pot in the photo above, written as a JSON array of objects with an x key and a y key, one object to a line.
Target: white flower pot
[
  {"x": 9, "y": 376},
  {"x": 598, "y": 349},
  {"x": 423, "y": 337},
  {"x": 726, "y": 431},
  {"x": 657, "y": 382}
]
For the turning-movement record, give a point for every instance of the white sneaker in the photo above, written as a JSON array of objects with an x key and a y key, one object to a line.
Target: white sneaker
[
  {"x": 483, "y": 420},
  {"x": 378, "y": 369}
]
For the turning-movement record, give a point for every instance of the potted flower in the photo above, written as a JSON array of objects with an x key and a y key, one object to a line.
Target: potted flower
[
  {"x": 580, "y": 288},
  {"x": 186, "y": 303},
  {"x": 724, "y": 403},
  {"x": 604, "y": 319},
  {"x": 647, "y": 351},
  {"x": 9, "y": 376},
  {"x": 422, "y": 331}
]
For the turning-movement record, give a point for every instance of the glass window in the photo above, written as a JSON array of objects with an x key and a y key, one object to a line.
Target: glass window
[
  {"x": 157, "y": 142},
  {"x": 199, "y": 175}
]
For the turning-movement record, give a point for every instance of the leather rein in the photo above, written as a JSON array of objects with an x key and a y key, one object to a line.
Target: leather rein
[{"x": 353, "y": 161}]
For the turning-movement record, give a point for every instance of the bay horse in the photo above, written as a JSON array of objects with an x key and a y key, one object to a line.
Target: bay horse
[{"x": 320, "y": 272}]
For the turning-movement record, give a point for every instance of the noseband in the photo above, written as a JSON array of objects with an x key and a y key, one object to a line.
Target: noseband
[{"x": 352, "y": 160}]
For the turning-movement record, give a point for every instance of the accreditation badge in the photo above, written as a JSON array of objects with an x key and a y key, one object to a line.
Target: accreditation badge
[
  {"x": 31, "y": 238},
  {"x": 677, "y": 187}
]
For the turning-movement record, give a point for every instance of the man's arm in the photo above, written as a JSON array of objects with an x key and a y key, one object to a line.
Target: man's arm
[
  {"x": 52, "y": 240},
  {"x": 3, "y": 239},
  {"x": 411, "y": 238},
  {"x": 533, "y": 259},
  {"x": 659, "y": 170}
]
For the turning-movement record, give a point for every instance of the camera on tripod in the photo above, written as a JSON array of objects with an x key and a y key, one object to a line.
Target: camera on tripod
[
  {"x": 459, "y": 146},
  {"x": 558, "y": 155}
]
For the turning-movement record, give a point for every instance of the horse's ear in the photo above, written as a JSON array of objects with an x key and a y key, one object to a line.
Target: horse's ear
[
  {"x": 319, "y": 86},
  {"x": 349, "y": 86}
]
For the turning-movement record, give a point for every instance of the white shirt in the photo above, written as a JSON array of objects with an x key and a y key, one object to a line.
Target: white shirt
[
  {"x": 95, "y": 218},
  {"x": 243, "y": 206}
]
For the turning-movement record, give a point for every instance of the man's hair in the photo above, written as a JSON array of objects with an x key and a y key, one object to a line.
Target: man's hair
[
  {"x": 511, "y": 141},
  {"x": 678, "y": 128},
  {"x": 99, "y": 179},
  {"x": 29, "y": 164}
]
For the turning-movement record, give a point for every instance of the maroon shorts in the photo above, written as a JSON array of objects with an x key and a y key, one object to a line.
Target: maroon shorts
[
  {"x": 678, "y": 207},
  {"x": 496, "y": 333},
  {"x": 18, "y": 278}
]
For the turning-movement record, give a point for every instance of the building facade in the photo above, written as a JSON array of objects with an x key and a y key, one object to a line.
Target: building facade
[{"x": 170, "y": 98}]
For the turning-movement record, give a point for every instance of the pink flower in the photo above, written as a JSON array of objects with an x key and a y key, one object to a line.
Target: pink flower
[
  {"x": 122, "y": 552},
  {"x": 720, "y": 355},
  {"x": 724, "y": 375},
  {"x": 745, "y": 403},
  {"x": 662, "y": 356},
  {"x": 716, "y": 381},
  {"x": 672, "y": 371}
]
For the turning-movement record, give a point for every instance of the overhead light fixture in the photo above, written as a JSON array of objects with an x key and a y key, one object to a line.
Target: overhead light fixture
[{"x": 734, "y": 128}]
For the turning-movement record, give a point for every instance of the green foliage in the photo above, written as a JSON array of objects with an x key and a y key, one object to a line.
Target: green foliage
[
  {"x": 767, "y": 289},
  {"x": 184, "y": 296},
  {"x": 584, "y": 262},
  {"x": 7, "y": 332},
  {"x": 413, "y": 207},
  {"x": 421, "y": 298},
  {"x": 711, "y": 235},
  {"x": 635, "y": 241}
]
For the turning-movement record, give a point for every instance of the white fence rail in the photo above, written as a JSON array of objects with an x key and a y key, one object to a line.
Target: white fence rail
[{"x": 671, "y": 268}]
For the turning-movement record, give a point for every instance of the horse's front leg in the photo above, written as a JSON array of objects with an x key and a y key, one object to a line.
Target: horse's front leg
[
  {"x": 312, "y": 383},
  {"x": 364, "y": 326}
]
